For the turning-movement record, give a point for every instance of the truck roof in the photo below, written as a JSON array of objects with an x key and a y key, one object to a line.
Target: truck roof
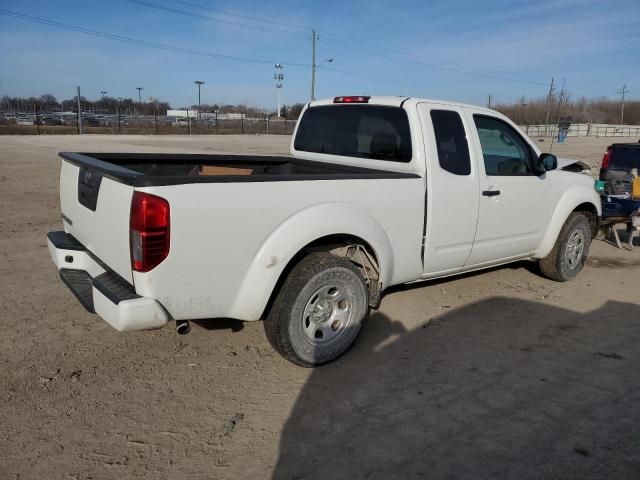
[{"x": 397, "y": 101}]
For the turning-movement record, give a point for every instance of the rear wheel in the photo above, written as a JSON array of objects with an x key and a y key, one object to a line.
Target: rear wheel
[
  {"x": 570, "y": 251},
  {"x": 319, "y": 310}
]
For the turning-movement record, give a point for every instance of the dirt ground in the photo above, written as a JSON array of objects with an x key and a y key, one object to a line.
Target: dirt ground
[{"x": 500, "y": 374}]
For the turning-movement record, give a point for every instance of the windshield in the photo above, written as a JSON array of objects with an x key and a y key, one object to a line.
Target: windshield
[{"x": 363, "y": 131}]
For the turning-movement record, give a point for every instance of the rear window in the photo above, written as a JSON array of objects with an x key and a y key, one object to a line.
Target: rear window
[
  {"x": 625, "y": 157},
  {"x": 451, "y": 141},
  {"x": 363, "y": 131}
]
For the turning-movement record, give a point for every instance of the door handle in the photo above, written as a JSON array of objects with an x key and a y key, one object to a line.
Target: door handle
[{"x": 490, "y": 193}]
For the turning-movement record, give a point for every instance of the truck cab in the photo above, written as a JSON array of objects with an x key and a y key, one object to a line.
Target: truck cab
[{"x": 490, "y": 195}]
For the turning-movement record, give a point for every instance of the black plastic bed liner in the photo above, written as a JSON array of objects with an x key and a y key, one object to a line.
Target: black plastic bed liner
[{"x": 155, "y": 169}]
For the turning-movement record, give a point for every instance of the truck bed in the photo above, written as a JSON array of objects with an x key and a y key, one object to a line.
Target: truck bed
[{"x": 151, "y": 169}]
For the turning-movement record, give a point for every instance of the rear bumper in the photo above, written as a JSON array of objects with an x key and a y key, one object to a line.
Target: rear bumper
[{"x": 100, "y": 290}]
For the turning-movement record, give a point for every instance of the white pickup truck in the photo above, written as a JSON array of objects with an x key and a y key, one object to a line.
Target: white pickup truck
[{"x": 378, "y": 191}]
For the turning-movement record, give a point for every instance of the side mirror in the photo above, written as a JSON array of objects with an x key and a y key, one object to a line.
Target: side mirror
[{"x": 547, "y": 161}]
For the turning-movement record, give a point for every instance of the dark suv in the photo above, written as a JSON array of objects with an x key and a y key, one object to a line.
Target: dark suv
[{"x": 618, "y": 160}]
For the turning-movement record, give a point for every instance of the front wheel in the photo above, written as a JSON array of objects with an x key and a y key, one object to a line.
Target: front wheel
[
  {"x": 570, "y": 251},
  {"x": 318, "y": 311}
]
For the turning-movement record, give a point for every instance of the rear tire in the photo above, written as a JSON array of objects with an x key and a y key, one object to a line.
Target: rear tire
[
  {"x": 570, "y": 251},
  {"x": 318, "y": 311}
]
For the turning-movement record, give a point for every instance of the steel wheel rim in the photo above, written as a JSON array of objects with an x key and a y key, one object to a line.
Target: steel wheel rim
[
  {"x": 575, "y": 249},
  {"x": 328, "y": 314}
]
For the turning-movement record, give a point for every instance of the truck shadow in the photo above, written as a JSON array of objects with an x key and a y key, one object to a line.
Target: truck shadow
[
  {"x": 503, "y": 388},
  {"x": 220, "y": 324},
  {"x": 529, "y": 266}
]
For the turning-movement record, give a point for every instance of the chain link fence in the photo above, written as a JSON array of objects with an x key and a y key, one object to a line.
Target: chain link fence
[
  {"x": 23, "y": 124},
  {"x": 28, "y": 123},
  {"x": 583, "y": 130}
]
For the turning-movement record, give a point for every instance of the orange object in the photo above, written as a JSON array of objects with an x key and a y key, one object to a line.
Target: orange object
[
  {"x": 207, "y": 170},
  {"x": 635, "y": 188}
]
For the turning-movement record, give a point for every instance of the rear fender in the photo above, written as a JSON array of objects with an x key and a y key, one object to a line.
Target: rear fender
[{"x": 294, "y": 234}]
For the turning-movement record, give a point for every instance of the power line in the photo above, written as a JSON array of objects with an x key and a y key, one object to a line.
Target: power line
[
  {"x": 246, "y": 17},
  {"x": 396, "y": 53},
  {"x": 214, "y": 19},
  {"x": 143, "y": 43},
  {"x": 396, "y": 82},
  {"x": 431, "y": 65},
  {"x": 340, "y": 41}
]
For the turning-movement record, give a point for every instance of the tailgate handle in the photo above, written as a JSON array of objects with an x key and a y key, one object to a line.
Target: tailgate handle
[{"x": 490, "y": 193}]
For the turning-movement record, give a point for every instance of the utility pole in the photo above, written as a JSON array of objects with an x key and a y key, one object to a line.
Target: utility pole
[
  {"x": 623, "y": 92},
  {"x": 155, "y": 114},
  {"x": 489, "y": 101},
  {"x": 199, "y": 83},
  {"x": 79, "y": 114},
  {"x": 524, "y": 106},
  {"x": 549, "y": 98},
  {"x": 139, "y": 98},
  {"x": 119, "y": 105},
  {"x": 278, "y": 76},
  {"x": 563, "y": 93},
  {"x": 313, "y": 64}
]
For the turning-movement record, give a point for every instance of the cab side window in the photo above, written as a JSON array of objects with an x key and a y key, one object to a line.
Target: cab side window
[
  {"x": 451, "y": 142},
  {"x": 505, "y": 152}
]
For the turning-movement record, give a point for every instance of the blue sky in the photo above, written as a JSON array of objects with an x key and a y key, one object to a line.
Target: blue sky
[{"x": 455, "y": 50}]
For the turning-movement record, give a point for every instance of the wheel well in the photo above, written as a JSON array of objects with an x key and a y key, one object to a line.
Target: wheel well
[
  {"x": 365, "y": 259},
  {"x": 589, "y": 211}
]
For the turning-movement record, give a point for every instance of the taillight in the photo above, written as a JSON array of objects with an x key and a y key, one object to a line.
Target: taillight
[
  {"x": 606, "y": 159},
  {"x": 351, "y": 99},
  {"x": 149, "y": 231}
]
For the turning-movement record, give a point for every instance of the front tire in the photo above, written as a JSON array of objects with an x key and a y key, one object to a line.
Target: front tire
[
  {"x": 318, "y": 311},
  {"x": 570, "y": 251}
]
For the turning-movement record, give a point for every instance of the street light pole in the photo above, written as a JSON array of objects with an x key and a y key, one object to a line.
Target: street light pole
[
  {"x": 199, "y": 83},
  {"x": 278, "y": 77},
  {"x": 313, "y": 64}
]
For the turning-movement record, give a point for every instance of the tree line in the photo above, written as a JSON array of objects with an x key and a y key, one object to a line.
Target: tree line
[
  {"x": 523, "y": 111},
  {"x": 129, "y": 106},
  {"x": 581, "y": 110}
]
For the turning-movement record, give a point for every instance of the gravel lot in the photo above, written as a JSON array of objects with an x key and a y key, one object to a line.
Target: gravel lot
[{"x": 500, "y": 374}]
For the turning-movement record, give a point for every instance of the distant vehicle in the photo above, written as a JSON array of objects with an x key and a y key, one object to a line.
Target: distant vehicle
[
  {"x": 90, "y": 122},
  {"x": 181, "y": 122},
  {"x": 378, "y": 191},
  {"x": 27, "y": 121},
  {"x": 50, "y": 121},
  {"x": 618, "y": 160}
]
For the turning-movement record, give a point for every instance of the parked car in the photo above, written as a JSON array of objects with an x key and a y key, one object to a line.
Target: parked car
[
  {"x": 618, "y": 160},
  {"x": 90, "y": 122},
  {"x": 26, "y": 121},
  {"x": 181, "y": 122},
  {"x": 379, "y": 191},
  {"x": 50, "y": 121}
]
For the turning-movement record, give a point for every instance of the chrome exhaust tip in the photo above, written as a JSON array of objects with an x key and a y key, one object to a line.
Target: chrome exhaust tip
[{"x": 183, "y": 327}]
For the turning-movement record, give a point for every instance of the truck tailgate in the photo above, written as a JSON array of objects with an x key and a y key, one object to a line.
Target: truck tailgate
[{"x": 95, "y": 210}]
